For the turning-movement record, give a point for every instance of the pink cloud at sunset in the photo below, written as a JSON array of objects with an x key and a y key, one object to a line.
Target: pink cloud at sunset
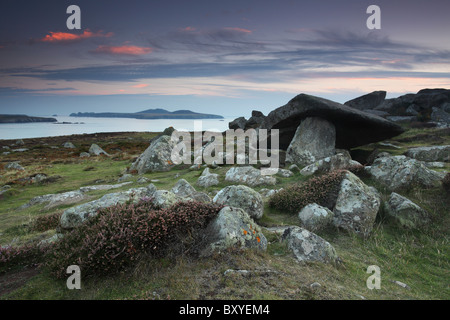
[
  {"x": 64, "y": 36},
  {"x": 123, "y": 50}
]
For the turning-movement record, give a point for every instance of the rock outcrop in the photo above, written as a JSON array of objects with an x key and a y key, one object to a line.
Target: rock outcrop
[
  {"x": 430, "y": 154},
  {"x": 207, "y": 179},
  {"x": 367, "y": 101},
  {"x": 314, "y": 217}
]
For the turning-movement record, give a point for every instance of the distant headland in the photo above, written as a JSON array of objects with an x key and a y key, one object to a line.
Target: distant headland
[
  {"x": 21, "y": 118},
  {"x": 150, "y": 114}
]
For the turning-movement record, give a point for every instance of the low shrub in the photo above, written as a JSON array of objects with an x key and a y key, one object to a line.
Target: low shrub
[
  {"x": 322, "y": 190},
  {"x": 47, "y": 222},
  {"x": 119, "y": 235},
  {"x": 23, "y": 256}
]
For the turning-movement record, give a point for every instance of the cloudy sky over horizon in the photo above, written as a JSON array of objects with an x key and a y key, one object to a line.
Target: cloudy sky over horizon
[{"x": 222, "y": 57}]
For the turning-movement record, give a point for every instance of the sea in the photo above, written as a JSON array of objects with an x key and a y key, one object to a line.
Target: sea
[{"x": 66, "y": 125}]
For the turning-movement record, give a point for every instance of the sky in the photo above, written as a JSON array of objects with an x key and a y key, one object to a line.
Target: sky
[{"x": 221, "y": 57}]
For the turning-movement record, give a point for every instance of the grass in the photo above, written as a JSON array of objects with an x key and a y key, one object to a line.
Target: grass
[{"x": 419, "y": 258}]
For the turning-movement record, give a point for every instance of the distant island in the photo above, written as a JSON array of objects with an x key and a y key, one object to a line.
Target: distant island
[
  {"x": 21, "y": 118},
  {"x": 150, "y": 114}
]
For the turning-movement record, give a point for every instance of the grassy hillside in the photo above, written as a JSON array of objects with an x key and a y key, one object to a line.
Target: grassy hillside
[{"x": 418, "y": 258}]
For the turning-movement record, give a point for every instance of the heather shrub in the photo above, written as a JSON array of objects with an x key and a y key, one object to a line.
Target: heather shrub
[
  {"x": 446, "y": 183},
  {"x": 46, "y": 222},
  {"x": 23, "y": 256},
  {"x": 119, "y": 235},
  {"x": 322, "y": 190}
]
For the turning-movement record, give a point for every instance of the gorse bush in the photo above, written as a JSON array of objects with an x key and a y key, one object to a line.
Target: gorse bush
[
  {"x": 119, "y": 235},
  {"x": 322, "y": 190}
]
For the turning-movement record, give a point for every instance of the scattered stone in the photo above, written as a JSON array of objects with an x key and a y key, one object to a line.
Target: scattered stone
[
  {"x": 285, "y": 173},
  {"x": 266, "y": 193},
  {"x": 208, "y": 179},
  {"x": 309, "y": 247},
  {"x": 405, "y": 212},
  {"x": 69, "y": 145},
  {"x": 399, "y": 172},
  {"x": 96, "y": 150},
  {"x": 157, "y": 157},
  {"x": 125, "y": 177},
  {"x": 314, "y": 139},
  {"x": 232, "y": 227},
  {"x": 183, "y": 189},
  {"x": 19, "y": 143},
  {"x": 85, "y": 155},
  {"x": 294, "y": 168},
  {"x": 243, "y": 197},
  {"x": 14, "y": 166},
  {"x": 315, "y": 217},
  {"x": 55, "y": 200},
  {"x": 249, "y": 175},
  {"x": 164, "y": 198},
  {"x": 20, "y": 150},
  {"x": 401, "y": 284},
  {"x": 430, "y": 154},
  {"x": 143, "y": 180},
  {"x": 356, "y": 206}
]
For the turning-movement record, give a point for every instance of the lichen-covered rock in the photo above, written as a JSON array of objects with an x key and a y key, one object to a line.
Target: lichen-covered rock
[
  {"x": 249, "y": 175},
  {"x": 54, "y": 200},
  {"x": 430, "y": 154},
  {"x": 14, "y": 166},
  {"x": 208, "y": 179},
  {"x": 96, "y": 150},
  {"x": 69, "y": 145},
  {"x": 309, "y": 247},
  {"x": 75, "y": 216},
  {"x": 285, "y": 173},
  {"x": 401, "y": 172},
  {"x": 165, "y": 198},
  {"x": 356, "y": 206},
  {"x": 314, "y": 139},
  {"x": 232, "y": 227},
  {"x": 241, "y": 197},
  {"x": 405, "y": 212},
  {"x": 338, "y": 161},
  {"x": 184, "y": 190},
  {"x": 315, "y": 217},
  {"x": 157, "y": 157}
]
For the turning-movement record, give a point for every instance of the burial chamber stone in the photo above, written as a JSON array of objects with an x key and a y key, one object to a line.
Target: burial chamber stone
[{"x": 353, "y": 127}]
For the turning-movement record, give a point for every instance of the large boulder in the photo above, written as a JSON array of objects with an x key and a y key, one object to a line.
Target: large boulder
[
  {"x": 309, "y": 247},
  {"x": 430, "y": 154},
  {"x": 401, "y": 172},
  {"x": 356, "y": 206},
  {"x": 368, "y": 101},
  {"x": 238, "y": 123},
  {"x": 353, "y": 127},
  {"x": 157, "y": 157},
  {"x": 405, "y": 212},
  {"x": 314, "y": 139},
  {"x": 75, "y": 216},
  {"x": 241, "y": 197},
  {"x": 249, "y": 175},
  {"x": 232, "y": 227},
  {"x": 315, "y": 217}
]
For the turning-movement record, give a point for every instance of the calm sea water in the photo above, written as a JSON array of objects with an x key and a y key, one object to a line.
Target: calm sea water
[{"x": 96, "y": 125}]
